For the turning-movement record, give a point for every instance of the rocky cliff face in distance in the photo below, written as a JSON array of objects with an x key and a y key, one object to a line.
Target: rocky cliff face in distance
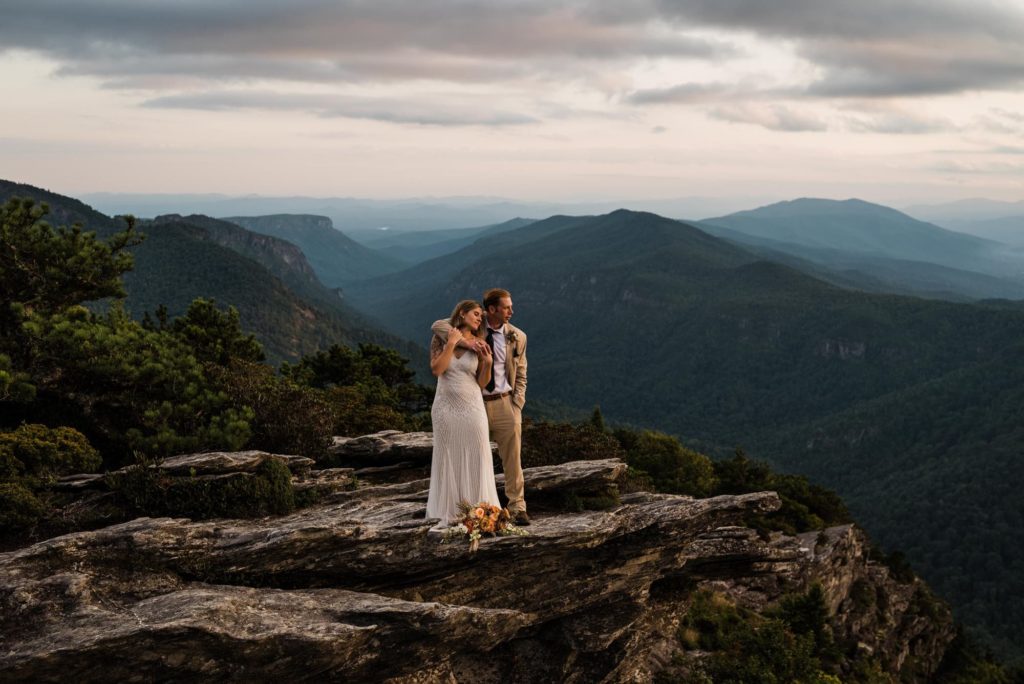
[{"x": 356, "y": 587}]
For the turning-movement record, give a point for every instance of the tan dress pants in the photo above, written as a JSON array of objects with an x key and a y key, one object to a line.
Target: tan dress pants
[{"x": 506, "y": 426}]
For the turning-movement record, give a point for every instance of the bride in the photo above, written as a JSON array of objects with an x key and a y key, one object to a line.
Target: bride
[{"x": 461, "y": 467}]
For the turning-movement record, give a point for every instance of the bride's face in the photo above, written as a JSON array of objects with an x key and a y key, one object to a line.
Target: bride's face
[{"x": 473, "y": 318}]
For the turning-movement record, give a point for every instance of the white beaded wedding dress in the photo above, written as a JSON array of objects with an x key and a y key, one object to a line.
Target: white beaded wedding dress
[{"x": 461, "y": 467}]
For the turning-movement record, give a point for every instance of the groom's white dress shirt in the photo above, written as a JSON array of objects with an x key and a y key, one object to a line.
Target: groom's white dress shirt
[{"x": 500, "y": 375}]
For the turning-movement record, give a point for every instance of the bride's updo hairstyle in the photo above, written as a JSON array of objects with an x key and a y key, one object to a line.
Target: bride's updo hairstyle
[{"x": 461, "y": 309}]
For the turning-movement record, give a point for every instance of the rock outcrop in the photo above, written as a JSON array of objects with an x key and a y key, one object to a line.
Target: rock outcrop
[{"x": 360, "y": 587}]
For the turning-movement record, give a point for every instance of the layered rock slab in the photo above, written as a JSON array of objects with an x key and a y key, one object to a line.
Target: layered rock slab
[
  {"x": 172, "y": 597},
  {"x": 360, "y": 588},
  {"x": 204, "y": 633}
]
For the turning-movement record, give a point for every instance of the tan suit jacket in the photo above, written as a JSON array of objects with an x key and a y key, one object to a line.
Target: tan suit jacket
[{"x": 515, "y": 357}]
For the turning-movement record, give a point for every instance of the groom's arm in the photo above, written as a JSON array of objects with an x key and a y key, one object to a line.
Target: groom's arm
[
  {"x": 519, "y": 387},
  {"x": 442, "y": 328}
]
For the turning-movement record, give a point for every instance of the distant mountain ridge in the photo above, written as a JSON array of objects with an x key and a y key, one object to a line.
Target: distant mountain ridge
[
  {"x": 882, "y": 248},
  {"x": 873, "y": 273},
  {"x": 418, "y": 246},
  {"x": 856, "y": 226},
  {"x": 336, "y": 258}
]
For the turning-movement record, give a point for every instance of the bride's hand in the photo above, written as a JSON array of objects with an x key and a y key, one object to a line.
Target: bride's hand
[
  {"x": 454, "y": 337},
  {"x": 484, "y": 351}
]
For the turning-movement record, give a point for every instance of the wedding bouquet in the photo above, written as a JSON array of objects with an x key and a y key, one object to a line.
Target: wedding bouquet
[{"x": 480, "y": 519}]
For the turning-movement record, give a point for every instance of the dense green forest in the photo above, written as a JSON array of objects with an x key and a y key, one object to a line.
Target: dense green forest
[
  {"x": 667, "y": 326},
  {"x": 82, "y": 390}
]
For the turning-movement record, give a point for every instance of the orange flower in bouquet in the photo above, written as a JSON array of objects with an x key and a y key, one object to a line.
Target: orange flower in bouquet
[{"x": 480, "y": 519}]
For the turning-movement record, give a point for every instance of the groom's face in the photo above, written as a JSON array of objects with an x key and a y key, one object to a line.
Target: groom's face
[{"x": 500, "y": 313}]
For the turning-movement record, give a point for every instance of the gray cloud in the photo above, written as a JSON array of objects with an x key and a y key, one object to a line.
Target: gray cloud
[
  {"x": 878, "y": 48},
  {"x": 771, "y": 116},
  {"x": 684, "y": 93},
  {"x": 317, "y": 40},
  {"x": 897, "y": 122},
  {"x": 447, "y": 112},
  {"x": 869, "y": 49}
]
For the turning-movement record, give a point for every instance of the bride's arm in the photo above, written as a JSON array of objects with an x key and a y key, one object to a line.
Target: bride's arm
[
  {"x": 441, "y": 356},
  {"x": 483, "y": 372}
]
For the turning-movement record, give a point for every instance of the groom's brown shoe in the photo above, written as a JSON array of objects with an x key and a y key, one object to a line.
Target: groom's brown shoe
[{"x": 521, "y": 519}]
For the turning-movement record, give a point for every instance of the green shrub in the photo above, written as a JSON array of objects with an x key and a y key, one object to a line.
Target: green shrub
[
  {"x": 19, "y": 508},
  {"x": 287, "y": 418},
  {"x": 266, "y": 492},
  {"x": 806, "y": 614},
  {"x": 554, "y": 443},
  {"x": 356, "y": 411},
  {"x": 805, "y": 506},
  {"x": 42, "y": 454},
  {"x": 747, "y": 648},
  {"x": 672, "y": 467},
  {"x": 14, "y": 385},
  {"x": 603, "y": 500}
]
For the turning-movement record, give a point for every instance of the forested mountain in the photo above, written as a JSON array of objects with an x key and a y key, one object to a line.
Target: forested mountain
[
  {"x": 268, "y": 280},
  {"x": 944, "y": 459},
  {"x": 855, "y": 226},
  {"x": 335, "y": 257},
  {"x": 63, "y": 210},
  {"x": 662, "y": 324}
]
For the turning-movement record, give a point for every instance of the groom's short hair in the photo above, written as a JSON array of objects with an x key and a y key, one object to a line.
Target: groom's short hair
[{"x": 494, "y": 296}]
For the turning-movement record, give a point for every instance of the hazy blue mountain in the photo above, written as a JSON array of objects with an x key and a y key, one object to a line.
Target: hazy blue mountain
[
  {"x": 872, "y": 273},
  {"x": 662, "y": 324},
  {"x": 418, "y": 246},
  {"x": 1006, "y": 229},
  {"x": 865, "y": 228},
  {"x": 336, "y": 258},
  {"x": 976, "y": 209},
  {"x": 354, "y": 216}
]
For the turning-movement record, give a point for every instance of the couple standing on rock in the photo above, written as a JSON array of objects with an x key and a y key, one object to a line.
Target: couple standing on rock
[{"x": 479, "y": 359}]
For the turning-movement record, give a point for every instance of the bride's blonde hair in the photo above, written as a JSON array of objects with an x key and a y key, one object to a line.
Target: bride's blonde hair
[{"x": 460, "y": 310}]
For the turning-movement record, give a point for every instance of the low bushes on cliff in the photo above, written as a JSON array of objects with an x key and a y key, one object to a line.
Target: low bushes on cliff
[
  {"x": 268, "y": 491},
  {"x": 371, "y": 388},
  {"x": 287, "y": 418},
  {"x": 746, "y": 647},
  {"x": 659, "y": 462},
  {"x": 31, "y": 457},
  {"x": 805, "y": 506}
]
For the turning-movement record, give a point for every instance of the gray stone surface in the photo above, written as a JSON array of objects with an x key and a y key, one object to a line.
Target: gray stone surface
[{"x": 359, "y": 588}]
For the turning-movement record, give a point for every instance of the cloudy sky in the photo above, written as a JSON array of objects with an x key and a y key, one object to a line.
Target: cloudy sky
[{"x": 895, "y": 101}]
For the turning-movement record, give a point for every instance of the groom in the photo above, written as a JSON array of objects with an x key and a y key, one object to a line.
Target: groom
[{"x": 505, "y": 394}]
